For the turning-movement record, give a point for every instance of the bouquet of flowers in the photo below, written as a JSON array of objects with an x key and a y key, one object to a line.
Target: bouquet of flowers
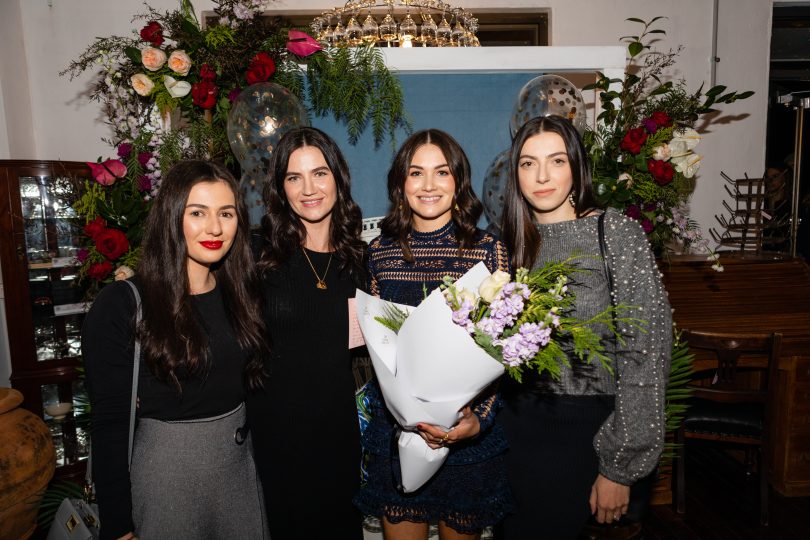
[
  {"x": 432, "y": 360},
  {"x": 643, "y": 148},
  {"x": 167, "y": 90}
]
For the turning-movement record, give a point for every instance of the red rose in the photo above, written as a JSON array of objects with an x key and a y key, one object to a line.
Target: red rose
[
  {"x": 260, "y": 69},
  {"x": 111, "y": 243},
  {"x": 662, "y": 171},
  {"x": 152, "y": 33},
  {"x": 99, "y": 271},
  {"x": 93, "y": 228},
  {"x": 634, "y": 140},
  {"x": 661, "y": 119},
  {"x": 207, "y": 73},
  {"x": 204, "y": 94}
]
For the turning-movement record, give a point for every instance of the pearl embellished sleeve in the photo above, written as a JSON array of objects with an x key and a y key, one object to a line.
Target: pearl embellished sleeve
[{"x": 630, "y": 441}]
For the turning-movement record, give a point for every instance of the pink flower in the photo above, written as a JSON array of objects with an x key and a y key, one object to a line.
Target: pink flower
[
  {"x": 124, "y": 150},
  {"x": 107, "y": 172},
  {"x": 152, "y": 58},
  {"x": 302, "y": 44},
  {"x": 144, "y": 183},
  {"x": 179, "y": 62},
  {"x": 144, "y": 157}
]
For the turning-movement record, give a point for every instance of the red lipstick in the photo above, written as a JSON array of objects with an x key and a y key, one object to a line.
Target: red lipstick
[{"x": 211, "y": 244}]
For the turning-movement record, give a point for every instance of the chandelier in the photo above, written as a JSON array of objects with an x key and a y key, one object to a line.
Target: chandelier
[{"x": 396, "y": 23}]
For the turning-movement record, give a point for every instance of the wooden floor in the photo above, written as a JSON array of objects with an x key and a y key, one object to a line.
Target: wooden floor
[{"x": 723, "y": 504}]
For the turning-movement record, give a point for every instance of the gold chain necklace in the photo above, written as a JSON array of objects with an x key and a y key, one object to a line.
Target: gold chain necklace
[{"x": 321, "y": 284}]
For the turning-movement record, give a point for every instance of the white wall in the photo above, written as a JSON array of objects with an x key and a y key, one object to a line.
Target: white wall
[{"x": 52, "y": 119}]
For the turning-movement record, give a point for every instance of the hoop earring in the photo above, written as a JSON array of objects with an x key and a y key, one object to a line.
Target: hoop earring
[{"x": 571, "y": 199}]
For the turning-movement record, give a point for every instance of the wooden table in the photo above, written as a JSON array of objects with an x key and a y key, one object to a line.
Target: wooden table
[{"x": 758, "y": 295}]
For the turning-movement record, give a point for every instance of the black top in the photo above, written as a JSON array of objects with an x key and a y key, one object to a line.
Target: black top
[
  {"x": 304, "y": 423},
  {"x": 108, "y": 347}
]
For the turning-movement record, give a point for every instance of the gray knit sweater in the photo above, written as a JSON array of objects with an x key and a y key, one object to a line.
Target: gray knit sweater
[{"x": 630, "y": 441}]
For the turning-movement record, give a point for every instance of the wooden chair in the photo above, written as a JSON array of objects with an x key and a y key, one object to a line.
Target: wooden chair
[{"x": 735, "y": 404}]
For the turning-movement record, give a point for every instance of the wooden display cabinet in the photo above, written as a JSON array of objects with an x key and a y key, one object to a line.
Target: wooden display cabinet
[{"x": 39, "y": 241}]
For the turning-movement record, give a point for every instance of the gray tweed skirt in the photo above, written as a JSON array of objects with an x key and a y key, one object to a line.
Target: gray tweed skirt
[{"x": 196, "y": 479}]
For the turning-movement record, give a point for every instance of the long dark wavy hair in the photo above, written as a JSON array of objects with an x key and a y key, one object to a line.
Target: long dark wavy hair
[
  {"x": 284, "y": 232},
  {"x": 170, "y": 332},
  {"x": 466, "y": 209},
  {"x": 518, "y": 229}
]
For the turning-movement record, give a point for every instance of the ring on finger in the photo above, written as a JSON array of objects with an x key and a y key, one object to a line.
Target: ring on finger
[{"x": 444, "y": 439}]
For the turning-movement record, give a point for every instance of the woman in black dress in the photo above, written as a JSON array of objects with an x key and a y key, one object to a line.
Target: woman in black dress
[
  {"x": 201, "y": 336},
  {"x": 305, "y": 426}
]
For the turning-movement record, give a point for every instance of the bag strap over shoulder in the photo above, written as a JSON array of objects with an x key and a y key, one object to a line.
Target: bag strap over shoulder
[
  {"x": 135, "y": 368},
  {"x": 603, "y": 252}
]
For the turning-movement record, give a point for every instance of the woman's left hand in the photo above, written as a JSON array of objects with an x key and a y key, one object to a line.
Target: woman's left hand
[
  {"x": 609, "y": 500},
  {"x": 436, "y": 437}
]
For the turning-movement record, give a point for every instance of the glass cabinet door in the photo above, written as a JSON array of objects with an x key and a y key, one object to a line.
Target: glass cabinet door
[{"x": 39, "y": 243}]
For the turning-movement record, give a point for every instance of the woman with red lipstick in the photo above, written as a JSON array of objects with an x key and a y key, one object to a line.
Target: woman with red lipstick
[
  {"x": 577, "y": 444},
  {"x": 202, "y": 342},
  {"x": 430, "y": 232},
  {"x": 304, "y": 423}
]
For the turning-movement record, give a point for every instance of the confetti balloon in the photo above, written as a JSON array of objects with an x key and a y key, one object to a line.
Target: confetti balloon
[
  {"x": 495, "y": 188},
  {"x": 260, "y": 115},
  {"x": 547, "y": 95}
]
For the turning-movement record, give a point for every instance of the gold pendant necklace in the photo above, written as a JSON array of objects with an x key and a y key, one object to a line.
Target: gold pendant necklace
[{"x": 321, "y": 284}]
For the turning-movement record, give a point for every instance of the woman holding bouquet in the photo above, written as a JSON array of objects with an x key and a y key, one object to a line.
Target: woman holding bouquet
[
  {"x": 430, "y": 232},
  {"x": 577, "y": 444},
  {"x": 201, "y": 339},
  {"x": 304, "y": 424}
]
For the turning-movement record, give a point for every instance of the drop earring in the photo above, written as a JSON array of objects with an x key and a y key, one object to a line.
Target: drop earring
[{"x": 572, "y": 200}]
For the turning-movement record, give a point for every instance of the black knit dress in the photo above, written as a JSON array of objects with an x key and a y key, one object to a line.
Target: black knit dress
[{"x": 304, "y": 424}]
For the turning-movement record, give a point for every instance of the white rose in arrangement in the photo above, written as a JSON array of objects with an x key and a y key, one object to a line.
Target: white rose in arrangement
[
  {"x": 624, "y": 177},
  {"x": 491, "y": 286},
  {"x": 142, "y": 84},
  {"x": 177, "y": 89},
  {"x": 662, "y": 152},
  {"x": 123, "y": 272},
  {"x": 179, "y": 62},
  {"x": 152, "y": 58}
]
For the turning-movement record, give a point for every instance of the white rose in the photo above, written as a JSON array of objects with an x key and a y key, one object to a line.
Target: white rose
[
  {"x": 177, "y": 89},
  {"x": 662, "y": 152},
  {"x": 491, "y": 286},
  {"x": 123, "y": 272},
  {"x": 142, "y": 84},
  {"x": 687, "y": 165},
  {"x": 467, "y": 295}
]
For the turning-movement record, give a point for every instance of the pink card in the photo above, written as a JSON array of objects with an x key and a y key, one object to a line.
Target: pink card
[{"x": 355, "y": 334}]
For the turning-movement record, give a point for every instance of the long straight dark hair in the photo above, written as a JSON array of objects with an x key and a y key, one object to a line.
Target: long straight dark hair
[
  {"x": 284, "y": 232},
  {"x": 518, "y": 228},
  {"x": 171, "y": 335},
  {"x": 466, "y": 209}
]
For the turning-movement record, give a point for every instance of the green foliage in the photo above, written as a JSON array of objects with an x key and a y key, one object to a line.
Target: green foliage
[
  {"x": 394, "y": 318},
  {"x": 218, "y": 36},
  {"x": 677, "y": 393},
  {"x": 353, "y": 85}
]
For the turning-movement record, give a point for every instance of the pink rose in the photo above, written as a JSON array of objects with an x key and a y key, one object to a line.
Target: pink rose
[
  {"x": 142, "y": 84},
  {"x": 179, "y": 62},
  {"x": 152, "y": 58}
]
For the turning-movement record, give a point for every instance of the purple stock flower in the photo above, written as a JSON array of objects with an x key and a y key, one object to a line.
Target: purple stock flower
[
  {"x": 462, "y": 315},
  {"x": 124, "y": 150}
]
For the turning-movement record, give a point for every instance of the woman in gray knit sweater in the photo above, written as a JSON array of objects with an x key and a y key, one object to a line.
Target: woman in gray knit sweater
[{"x": 577, "y": 444}]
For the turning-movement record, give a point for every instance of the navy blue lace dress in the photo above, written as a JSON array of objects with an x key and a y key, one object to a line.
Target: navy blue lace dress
[{"x": 470, "y": 491}]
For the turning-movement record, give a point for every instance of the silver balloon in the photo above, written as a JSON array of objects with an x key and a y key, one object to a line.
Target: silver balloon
[
  {"x": 261, "y": 114},
  {"x": 547, "y": 95},
  {"x": 495, "y": 180}
]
